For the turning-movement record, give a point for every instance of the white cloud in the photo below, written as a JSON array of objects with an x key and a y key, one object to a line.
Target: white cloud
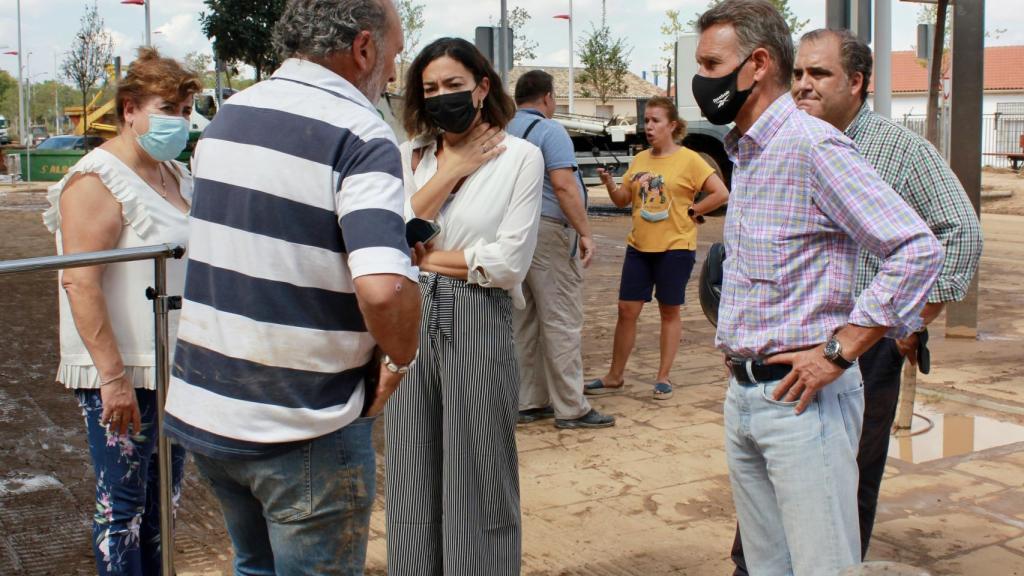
[
  {"x": 181, "y": 35},
  {"x": 556, "y": 58}
]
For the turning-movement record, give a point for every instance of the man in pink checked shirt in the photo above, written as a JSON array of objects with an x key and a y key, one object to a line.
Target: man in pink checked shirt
[{"x": 803, "y": 203}]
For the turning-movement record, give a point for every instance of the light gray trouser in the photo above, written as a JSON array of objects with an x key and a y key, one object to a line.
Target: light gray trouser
[{"x": 548, "y": 329}]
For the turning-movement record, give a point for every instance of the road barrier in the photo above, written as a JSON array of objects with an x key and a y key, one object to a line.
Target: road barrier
[{"x": 162, "y": 304}]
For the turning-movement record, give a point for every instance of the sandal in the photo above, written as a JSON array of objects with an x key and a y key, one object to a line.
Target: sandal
[
  {"x": 662, "y": 390},
  {"x": 597, "y": 387}
]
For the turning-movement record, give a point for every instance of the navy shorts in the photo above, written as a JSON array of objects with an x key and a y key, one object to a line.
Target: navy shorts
[{"x": 668, "y": 271}]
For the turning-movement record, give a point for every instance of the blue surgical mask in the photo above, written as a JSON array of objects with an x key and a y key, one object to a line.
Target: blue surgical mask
[{"x": 166, "y": 137}]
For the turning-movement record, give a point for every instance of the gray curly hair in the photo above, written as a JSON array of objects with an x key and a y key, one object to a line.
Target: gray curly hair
[{"x": 317, "y": 28}]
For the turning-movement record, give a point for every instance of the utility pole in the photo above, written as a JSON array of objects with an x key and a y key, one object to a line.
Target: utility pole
[
  {"x": 56, "y": 94},
  {"x": 503, "y": 44},
  {"x": 935, "y": 74},
  {"x": 572, "y": 73}
]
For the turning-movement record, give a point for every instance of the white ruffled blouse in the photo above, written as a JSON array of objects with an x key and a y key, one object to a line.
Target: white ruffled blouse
[{"x": 148, "y": 219}]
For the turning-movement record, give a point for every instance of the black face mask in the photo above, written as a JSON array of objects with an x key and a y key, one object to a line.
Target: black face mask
[
  {"x": 453, "y": 112},
  {"x": 718, "y": 98}
]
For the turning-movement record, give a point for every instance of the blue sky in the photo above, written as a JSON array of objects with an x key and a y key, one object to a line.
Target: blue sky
[{"x": 48, "y": 25}]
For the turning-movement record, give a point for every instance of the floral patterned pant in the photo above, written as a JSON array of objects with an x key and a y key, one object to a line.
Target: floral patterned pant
[{"x": 126, "y": 523}]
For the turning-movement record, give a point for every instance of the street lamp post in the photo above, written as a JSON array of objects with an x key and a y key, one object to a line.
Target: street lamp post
[
  {"x": 144, "y": 3},
  {"x": 572, "y": 74},
  {"x": 21, "y": 88},
  {"x": 56, "y": 93}
]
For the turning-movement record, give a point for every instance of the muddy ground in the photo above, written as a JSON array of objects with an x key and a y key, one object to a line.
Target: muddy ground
[{"x": 575, "y": 485}]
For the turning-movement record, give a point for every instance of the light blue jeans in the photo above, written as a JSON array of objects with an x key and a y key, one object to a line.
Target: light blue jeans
[
  {"x": 303, "y": 512},
  {"x": 794, "y": 478}
]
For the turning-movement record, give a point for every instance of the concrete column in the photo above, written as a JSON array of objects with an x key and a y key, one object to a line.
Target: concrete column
[
  {"x": 965, "y": 127},
  {"x": 883, "y": 58}
]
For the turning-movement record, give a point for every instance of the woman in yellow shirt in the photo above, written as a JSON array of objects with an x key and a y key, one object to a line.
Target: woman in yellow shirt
[{"x": 661, "y": 185}]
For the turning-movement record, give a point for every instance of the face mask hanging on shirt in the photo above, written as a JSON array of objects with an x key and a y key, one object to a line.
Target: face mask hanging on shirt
[
  {"x": 719, "y": 99},
  {"x": 166, "y": 137},
  {"x": 653, "y": 216},
  {"x": 453, "y": 112}
]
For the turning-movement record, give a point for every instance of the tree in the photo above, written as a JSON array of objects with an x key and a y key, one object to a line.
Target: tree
[
  {"x": 242, "y": 31},
  {"x": 671, "y": 28},
  {"x": 796, "y": 25},
  {"x": 42, "y": 106},
  {"x": 410, "y": 13},
  {"x": 85, "y": 64},
  {"x": 200, "y": 64},
  {"x": 929, "y": 15},
  {"x": 523, "y": 48},
  {"x": 605, "y": 61}
]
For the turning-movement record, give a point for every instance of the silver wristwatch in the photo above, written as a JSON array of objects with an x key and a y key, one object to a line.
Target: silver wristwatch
[
  {"x": 834, "y": 353},
  {"x": 397, "y": 368}
]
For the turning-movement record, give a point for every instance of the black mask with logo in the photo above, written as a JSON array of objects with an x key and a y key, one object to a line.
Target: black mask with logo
[
  {"x": 453, "y": 112},
  {"x": 719, "y": 99}
]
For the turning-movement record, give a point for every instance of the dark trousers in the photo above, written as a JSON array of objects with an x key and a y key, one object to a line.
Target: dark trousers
[
  {"x": 881, "y": 367},
  {"x": 126, "y": 521}
]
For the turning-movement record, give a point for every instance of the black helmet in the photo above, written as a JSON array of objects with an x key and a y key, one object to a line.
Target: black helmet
[{"x": 711, "y": 282}]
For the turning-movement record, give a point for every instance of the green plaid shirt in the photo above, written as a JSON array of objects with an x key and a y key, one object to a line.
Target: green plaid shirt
[{"x": 917, "y": 172}]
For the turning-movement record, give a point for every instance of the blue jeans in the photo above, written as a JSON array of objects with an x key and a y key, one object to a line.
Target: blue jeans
[
  {"x": 794, "y": 478},
  {"x": 304, "y": 511},
  {"x": 126, "y": 522}
]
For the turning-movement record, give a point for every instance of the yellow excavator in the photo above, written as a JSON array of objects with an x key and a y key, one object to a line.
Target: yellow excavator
[{"x": 101, "y": 118}]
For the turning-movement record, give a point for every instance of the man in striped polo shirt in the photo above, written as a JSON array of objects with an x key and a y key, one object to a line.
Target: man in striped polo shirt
[{"x": 298, "y": 269}]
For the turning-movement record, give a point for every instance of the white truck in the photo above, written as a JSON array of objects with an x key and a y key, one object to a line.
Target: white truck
[
  {"x": 611, "y": 143},
  {"x": 5, "y": 136}
]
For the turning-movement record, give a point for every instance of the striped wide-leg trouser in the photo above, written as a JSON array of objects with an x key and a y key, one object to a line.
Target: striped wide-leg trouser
[{"x": 452, "y": 498}]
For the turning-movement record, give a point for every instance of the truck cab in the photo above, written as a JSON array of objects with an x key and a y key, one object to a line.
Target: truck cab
[{"x": 610, "y": 144}]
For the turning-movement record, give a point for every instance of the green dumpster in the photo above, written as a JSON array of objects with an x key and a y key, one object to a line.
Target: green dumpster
[{"x": 47, "y": 165}]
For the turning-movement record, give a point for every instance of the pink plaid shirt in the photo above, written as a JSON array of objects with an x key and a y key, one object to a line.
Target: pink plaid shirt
[{"x": 803, "y": 201}]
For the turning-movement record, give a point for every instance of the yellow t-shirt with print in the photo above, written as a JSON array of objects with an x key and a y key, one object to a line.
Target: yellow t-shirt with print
[{"x": 663, "y": 189}]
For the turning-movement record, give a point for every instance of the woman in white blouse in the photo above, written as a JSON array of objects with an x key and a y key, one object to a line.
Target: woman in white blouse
[
  {"x": 452, "y": 484},
  {"x": 127, "y": 193}
]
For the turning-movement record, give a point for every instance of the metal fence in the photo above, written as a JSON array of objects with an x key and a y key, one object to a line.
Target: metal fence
[
  {"x": 162, "y": 304},
  {"x": 1000, "y": 135}
]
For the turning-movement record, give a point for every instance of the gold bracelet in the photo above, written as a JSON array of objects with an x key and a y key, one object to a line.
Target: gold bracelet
[{"x": 110, "y": 380}]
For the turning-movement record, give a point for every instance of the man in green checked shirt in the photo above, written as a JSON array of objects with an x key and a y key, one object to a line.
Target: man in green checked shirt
[{"x": 831, "y": 76}]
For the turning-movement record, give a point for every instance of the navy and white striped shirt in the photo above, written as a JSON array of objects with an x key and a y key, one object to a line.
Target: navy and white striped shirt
[{"x": 298, "y": 190}]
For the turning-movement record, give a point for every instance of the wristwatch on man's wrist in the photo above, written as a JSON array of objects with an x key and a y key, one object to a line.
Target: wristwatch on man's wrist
[
  {"x": 394, "y": 368},
  {"x": 834, "y": 353}
]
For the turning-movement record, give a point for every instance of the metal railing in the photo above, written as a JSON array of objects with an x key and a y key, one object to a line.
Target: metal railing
[
  {"x": 162, "y": 304},
  {"x": 1000, "y": 136}
]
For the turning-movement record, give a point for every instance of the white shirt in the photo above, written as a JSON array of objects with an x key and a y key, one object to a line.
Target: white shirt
[
  {"x": 148, "y": 219},
  {"x": 494, "y": 216}
]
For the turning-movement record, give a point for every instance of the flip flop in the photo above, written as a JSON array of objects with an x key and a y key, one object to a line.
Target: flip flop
[
  {"x": 662, "y": 390},
  {"x": 597, "y": 387}
]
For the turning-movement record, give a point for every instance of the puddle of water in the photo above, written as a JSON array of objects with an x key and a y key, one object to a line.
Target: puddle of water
[
  {"x": 23, "y": 483},
  {"x": 951, "y": 435}
]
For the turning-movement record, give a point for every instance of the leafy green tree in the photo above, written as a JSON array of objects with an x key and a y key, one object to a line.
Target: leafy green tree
[
  {"x": 241, "y": 31},
  {"x": 44, "y": 109},
  {"x": 410, "y": 13},
  {"x": 796, "y": 25},
  {"x": 605, "y": 62},
  {"x": 85, "y": 64},
  {"x": 9, "y": 100},
  {"x": 523, "y": 47}
]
